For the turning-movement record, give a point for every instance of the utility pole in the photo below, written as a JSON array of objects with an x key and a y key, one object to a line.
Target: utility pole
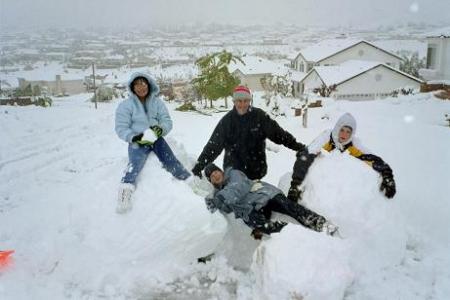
[{"x": 95, "y": 90}]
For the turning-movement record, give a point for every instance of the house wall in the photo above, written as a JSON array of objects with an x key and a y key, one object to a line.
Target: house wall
[
  {"x": 253, "y": 82},
  {"x": 57, "y": 87},
  {"x": 441, "y": 63},
  {"x": 310, "y": 82},
  {"x": 362, "y": 51},
  {"x": 300, "y": 64},
  {"x": 376, "y": 83}
]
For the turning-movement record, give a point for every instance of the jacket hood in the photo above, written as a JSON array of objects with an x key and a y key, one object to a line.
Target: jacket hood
[
  {"x": 345, "y": 120},
  {"x": 154, "y": 88}
]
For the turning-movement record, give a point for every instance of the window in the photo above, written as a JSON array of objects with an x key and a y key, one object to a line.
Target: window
[
  {"x": 361, "y": 52},
  {"x": 302, "y": 67},
  {"x": 378, "y": 77},
  {"x": 431, "y": 57}
]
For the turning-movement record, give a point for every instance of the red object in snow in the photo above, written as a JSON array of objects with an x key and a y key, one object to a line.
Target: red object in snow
[{"x": 5, "y": 258}]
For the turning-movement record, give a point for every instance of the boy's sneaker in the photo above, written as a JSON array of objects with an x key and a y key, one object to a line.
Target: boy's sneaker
[
  {"x": 330, "y": 229},
  {"x": 124, "y": 198}
]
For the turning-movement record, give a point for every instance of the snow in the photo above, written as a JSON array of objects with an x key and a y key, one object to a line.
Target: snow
[
  {"x": 59, "y": 173},
  {"x": 49, "y": 71},
  {"x": 339, "y": 73},
  {"x": 257, "y": 65},
  {"x": 443, "y": 32},
  {"x": 326, "y": 48},
  {"x": 297, "y": 76},
  {"x": 400, "y": 46}
]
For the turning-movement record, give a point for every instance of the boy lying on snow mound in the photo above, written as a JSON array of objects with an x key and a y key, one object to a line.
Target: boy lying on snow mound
[
  {"x": 340, "y": 138},
  {"x": 254, "y": 202}
]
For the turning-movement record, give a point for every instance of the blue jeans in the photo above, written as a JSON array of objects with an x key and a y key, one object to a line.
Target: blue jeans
[{"x": 137, "y": 155}]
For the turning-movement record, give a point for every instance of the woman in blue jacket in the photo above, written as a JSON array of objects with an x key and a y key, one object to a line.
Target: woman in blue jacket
[{"x": 142, "y": 121}]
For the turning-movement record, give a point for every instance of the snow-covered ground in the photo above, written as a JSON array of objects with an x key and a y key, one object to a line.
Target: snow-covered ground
[
  {"x": 48, "y": 72},
  {"x": 59, "y": 171}
]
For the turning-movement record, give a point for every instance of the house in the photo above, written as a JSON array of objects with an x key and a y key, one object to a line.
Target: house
[
  {"x": 438, "y": 59},
  {"x": 112, "y": 61},
  {"x": 254, "y": 70},
  {"x": 56, "y": 87},
  {"x": 334, "y": 52},
  {"x": 357, "y": 80}
]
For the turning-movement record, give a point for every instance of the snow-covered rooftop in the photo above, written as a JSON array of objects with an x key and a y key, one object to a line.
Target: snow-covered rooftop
[
  {"x": 326, "y": 48},
  {"x": 297, "y": 75},
  {"x": 441, "y": 32},
  {"x": 339, "y": 73},
  {"x": 258, "y": 65},
  {"x": 115, "y": 56}
]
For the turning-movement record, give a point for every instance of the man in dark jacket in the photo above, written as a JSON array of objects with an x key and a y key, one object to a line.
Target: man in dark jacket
[{"x": 242, "y": 132}]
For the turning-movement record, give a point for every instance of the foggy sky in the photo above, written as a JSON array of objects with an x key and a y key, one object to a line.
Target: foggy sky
[{"x": 25, "y": 14}]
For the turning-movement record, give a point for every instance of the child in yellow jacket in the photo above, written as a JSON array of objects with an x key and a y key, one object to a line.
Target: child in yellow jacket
[{"x": 341, "y": 138}]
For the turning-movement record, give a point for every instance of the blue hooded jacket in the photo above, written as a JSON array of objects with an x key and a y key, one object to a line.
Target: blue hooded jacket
[{"x": 131, "y": 116}]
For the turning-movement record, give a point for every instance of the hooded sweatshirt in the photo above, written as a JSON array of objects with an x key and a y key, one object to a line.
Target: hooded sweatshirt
[
  {"x": 133, "y": 117},
  {"x": 329, "y": 141}
]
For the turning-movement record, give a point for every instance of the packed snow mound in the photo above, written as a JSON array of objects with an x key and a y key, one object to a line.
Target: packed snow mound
[
  {"x": 76, "y": 246},
  {"x": 301, "y": 262}
]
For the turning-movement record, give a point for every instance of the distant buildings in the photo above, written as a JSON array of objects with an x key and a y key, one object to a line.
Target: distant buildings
[{"x": 55, "y": 87}]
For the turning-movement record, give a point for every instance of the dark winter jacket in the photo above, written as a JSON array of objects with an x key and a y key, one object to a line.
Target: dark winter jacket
[
  {"x": 243, "y": 138},
  {"x": 241, "y": 195}
]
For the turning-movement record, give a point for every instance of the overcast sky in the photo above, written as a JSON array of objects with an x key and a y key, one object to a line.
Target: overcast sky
[{"x": 131, "y": 13}]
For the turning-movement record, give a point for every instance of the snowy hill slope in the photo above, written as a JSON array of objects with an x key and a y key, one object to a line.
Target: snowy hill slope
[{"x": 59, "y": 170}]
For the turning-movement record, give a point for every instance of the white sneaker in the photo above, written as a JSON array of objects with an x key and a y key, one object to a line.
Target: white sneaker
[
  {"x": 124, "y": 198},
  {"x": 330, "y": 229}
]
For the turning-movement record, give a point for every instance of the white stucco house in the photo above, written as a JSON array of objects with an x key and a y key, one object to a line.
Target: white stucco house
[
  {"x": 59, "y": 85},
  {"x": 357, "y": 80},
  {"x": 254, "y": 69},
  {"x": 438, "y": 59},
  {"x": 334, "y": 52}
]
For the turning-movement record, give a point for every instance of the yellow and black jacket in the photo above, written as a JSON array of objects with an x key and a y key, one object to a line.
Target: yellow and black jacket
[{"x": 326, "y": 141}]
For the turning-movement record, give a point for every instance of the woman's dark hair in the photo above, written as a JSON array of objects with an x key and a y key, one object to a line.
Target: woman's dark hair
[{"x": 140, "y": 78}]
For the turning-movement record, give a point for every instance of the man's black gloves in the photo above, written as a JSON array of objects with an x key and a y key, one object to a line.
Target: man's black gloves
[
  {"x": 300, "y": 147},
  {"x": 388, "y": 186},
  {"x": 210, "y": 205},
  {"x": 294, "y": 193},
  {"x": 197, "y": 170}
]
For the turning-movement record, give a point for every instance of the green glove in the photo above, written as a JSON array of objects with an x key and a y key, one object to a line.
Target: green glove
[
  {"x": 143, "y": 143},
  {"x": 158, "y": 130},
  {"x": 148, "y": 137}
]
